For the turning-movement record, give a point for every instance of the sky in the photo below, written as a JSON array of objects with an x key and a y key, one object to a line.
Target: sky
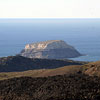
[{"x": 49, "y": 8}]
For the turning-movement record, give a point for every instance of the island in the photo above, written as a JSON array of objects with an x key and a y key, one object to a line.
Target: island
[{"x": 52, "y": 49}]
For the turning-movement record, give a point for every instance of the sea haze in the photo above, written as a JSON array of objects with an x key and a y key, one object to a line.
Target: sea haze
[{"x": 83, "y": 34}]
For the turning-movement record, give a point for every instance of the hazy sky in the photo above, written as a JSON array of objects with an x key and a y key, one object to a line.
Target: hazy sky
[{"x": 49, "y": 8}]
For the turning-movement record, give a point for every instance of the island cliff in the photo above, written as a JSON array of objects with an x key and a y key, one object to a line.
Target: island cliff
[{"x": 52, "y": 49}]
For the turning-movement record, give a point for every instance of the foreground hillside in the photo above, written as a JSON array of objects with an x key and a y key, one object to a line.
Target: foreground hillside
[
  {"x": 49, "y": 80},
  {"x": 19, "y": 63},
  {"x": 72, "y": 87}
]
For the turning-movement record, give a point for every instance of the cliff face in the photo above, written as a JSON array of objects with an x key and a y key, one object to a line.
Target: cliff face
[{"x": 53, "y": 49}]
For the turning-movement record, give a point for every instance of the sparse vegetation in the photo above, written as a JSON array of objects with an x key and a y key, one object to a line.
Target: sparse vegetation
[
  {"x": 74, "y": 82},
  {"x": 72, "y": 87}
]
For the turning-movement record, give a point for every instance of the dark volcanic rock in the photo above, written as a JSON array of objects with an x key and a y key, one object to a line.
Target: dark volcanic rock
[{"x": 54, "y": 49}]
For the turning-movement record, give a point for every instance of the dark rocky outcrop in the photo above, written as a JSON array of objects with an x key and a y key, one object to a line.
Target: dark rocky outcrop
[{"x": 54, "y": 49}]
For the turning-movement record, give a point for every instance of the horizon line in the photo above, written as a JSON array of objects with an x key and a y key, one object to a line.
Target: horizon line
[{"x": 46, "y": 18}]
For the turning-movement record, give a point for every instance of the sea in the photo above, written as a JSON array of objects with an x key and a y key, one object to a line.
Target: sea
[{"x": 83, "y": 34}]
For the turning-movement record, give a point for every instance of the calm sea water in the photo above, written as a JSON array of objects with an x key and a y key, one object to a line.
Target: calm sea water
[{"x": 83, "y": 34}]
